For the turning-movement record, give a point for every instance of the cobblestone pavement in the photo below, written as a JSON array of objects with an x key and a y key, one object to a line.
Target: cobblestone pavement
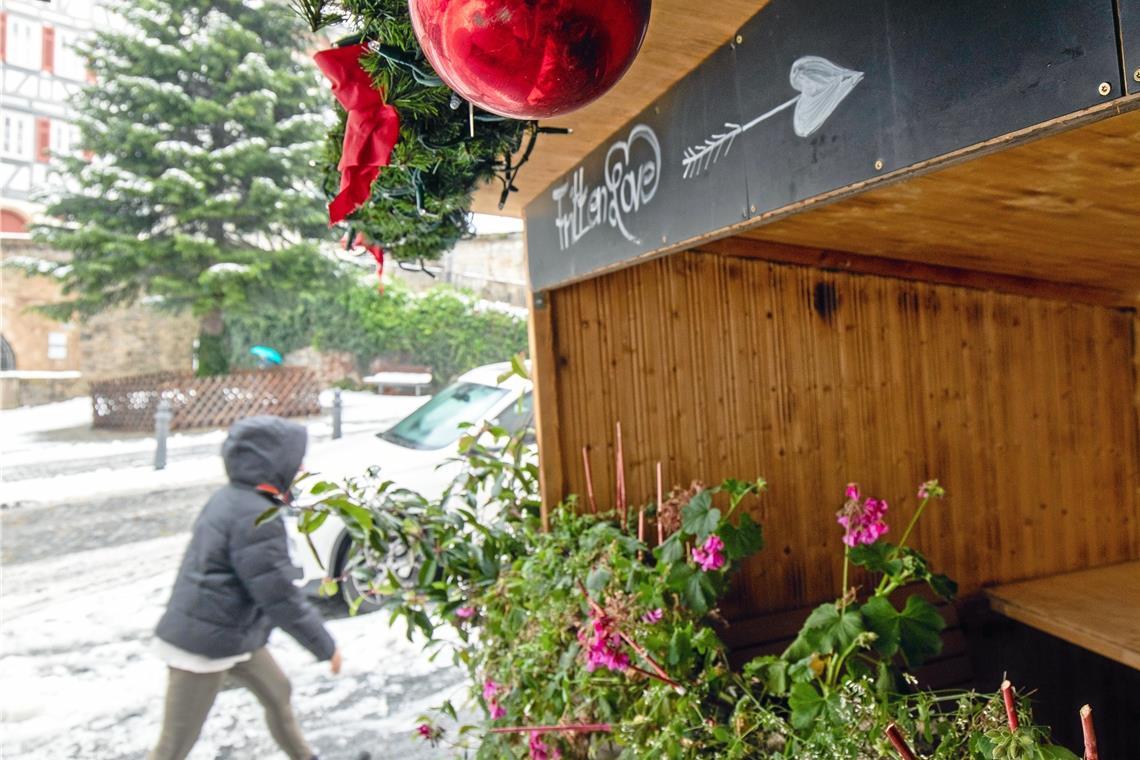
[{"x": 30, "y": 534}]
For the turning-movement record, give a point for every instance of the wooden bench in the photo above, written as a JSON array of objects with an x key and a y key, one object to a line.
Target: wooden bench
[
  {"x": 771, "y": 634},
  {"x": 1097, "y": 609},
  {"x": 407, "y": 381}
]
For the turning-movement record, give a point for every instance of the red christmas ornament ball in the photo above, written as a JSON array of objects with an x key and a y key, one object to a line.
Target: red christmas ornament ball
[{"x": 530, "y": 59}]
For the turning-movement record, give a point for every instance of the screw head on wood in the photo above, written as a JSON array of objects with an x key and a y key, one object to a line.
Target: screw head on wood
[
  {"x": 878, "y": 164},
  {"x": 1136, "y": 75},
  {"x": 1104, "y": 88},
  {"x": 739, "y": 38}
]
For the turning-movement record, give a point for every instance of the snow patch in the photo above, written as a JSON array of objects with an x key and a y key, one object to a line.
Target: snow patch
[{"x": 183, "y": 176}]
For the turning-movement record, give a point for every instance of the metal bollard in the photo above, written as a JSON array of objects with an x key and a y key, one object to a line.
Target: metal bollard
[
  {"x": 162, "y": 417},
  {"x": 338, "y": 405}
]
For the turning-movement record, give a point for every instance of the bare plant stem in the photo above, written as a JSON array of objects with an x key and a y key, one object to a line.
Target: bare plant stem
[
  {"x": 1089, "y": 733},
  {"x": 589, "y": 481},
  {"x": 620, "y": 478},
  {"x": 899, "y": 743},
  {"x": 910, "y": 527},
  {"x": 660, "y": 505},
  {"x": 843, "y": 589},
  {"x": 1010, "y": 704},
  {"x": 583, "y": 728}
]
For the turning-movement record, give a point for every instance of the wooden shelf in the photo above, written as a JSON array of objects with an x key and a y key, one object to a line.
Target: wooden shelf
[{"x": 1098, "y": 610}]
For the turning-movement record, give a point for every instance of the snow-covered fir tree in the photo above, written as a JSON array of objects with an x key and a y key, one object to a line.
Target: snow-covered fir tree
[{"x": 198, "y": 191}]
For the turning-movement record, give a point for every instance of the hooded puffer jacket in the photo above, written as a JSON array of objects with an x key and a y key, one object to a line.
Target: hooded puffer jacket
[{"x": 236, "y": 580}]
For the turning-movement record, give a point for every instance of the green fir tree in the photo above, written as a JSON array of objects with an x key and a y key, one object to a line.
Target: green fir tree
[{"x": 203, "y": 126}]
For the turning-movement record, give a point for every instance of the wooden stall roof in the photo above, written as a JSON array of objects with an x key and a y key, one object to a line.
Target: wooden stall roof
[
  {"x": 681, "y": 34},
  {"x": 1064, "y": 208}
]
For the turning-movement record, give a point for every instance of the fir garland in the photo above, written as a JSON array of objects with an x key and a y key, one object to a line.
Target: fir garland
[{"x": 420, "y": 202}]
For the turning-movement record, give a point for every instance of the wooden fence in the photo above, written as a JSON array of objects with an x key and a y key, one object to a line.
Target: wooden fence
[{"x": 129, "y": 403}]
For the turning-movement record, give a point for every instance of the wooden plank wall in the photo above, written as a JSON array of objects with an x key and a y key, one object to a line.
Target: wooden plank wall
[{"x": 726, "y": 366}]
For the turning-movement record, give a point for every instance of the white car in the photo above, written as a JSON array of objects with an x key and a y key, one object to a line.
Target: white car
[{"x": 417, "y": 453}]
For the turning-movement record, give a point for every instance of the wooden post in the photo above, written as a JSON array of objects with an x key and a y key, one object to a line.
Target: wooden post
[{"x": 543, "y": 374}]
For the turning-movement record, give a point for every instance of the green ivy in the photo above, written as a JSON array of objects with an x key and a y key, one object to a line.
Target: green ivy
[{"x": 443, "y": 328}]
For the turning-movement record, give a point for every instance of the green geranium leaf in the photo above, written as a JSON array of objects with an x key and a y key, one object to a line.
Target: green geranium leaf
[
  {"x": 808, "y": 705},
  {"x": 743, "y": 540},
  {"x": 698, "y": 517},
  {"x": 875, "y": 557},
  {"x": 695, "y": 593},
  {"x": 826, "y": 631},
  {"x": 770, "y": 671},
  {"x": 1053, "y": 752},
  {"x": 916, "y": 631},
  {"x": 266, "y": 516},
  {"x": 680, "y": 646},
  {"x": 671, "y": 551},
  {"x": 943, "y": 585},
  {"x": 597, "y": 579}
]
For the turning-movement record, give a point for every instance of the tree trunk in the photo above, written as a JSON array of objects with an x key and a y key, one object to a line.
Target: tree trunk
[{"x": 213, "y": 345}]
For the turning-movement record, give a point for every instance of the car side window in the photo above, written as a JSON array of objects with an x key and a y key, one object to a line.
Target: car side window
[{"x": 518, "y": 416}]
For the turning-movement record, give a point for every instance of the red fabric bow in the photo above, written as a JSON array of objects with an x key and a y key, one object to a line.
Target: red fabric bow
[
  {"x": 372, "y": 130},
  {"x": 359, "y": 241}
]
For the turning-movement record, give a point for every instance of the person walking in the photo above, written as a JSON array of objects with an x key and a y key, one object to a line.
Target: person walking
[{"x": 236, "y": 584}]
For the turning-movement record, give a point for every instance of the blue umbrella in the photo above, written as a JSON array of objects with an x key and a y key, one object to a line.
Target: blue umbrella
[{"x": 266, "y": 354}]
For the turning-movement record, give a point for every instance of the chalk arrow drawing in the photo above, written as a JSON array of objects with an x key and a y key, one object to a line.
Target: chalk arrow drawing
[{"x": 821, "y": 84}]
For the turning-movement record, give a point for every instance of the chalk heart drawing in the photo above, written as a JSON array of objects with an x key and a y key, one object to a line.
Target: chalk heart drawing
[
  {"x": 822, "y": 86},
  {"x": 630, "y": 177}
]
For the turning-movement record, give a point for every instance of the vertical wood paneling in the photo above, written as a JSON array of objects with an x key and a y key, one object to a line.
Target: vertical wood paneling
[{"x": 726, "y": 366}]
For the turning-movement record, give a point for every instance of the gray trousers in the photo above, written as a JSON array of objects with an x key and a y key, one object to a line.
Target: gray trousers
[{"x": 189, "y": 697}]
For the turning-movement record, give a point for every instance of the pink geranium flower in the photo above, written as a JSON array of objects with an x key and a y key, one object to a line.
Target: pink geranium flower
[
  {"x": 430, "y": 733},
  {"x": 931, "y": 489},
  {"x": 539, "y": 750},
  {"x": 710, "y": 556},
  {"x": 491, "y": 692},
  {"x": 603, "y": 646},
  {"x": 465, "y": 613},
  {"x": 862, "y": 521},
  {"x": 653, "y": 616}
]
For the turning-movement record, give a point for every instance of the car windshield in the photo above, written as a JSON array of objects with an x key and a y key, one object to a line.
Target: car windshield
[{"x": 436, "y": 424}]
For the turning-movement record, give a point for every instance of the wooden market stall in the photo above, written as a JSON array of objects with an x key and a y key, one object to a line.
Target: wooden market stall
[{"x": 843, "y": 241}]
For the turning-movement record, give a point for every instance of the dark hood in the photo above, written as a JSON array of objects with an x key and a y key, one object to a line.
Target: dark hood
[{"x": 264, "y": 450}]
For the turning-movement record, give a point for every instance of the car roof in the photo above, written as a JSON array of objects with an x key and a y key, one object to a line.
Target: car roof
[{"x": 489, "y": 374}]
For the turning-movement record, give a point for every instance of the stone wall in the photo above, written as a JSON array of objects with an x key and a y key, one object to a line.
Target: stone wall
[
  {"x": 136, "y": 340},
  {"x": 330, "y": 366},
  {"x": 122, "y": 341},
  {"x": 39, "y": 343},
  {"x": 35, "y": 388},
  {"x": 493, "y": 266}
]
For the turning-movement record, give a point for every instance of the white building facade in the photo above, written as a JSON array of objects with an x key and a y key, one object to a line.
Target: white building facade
[{"x": 41, "y": 72}]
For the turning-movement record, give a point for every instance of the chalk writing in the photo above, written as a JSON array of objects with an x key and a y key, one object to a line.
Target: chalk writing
[{"x": 628, "y": 185}]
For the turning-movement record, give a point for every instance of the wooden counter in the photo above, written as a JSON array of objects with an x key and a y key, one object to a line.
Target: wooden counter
[{"x": 1098, "y": 610}]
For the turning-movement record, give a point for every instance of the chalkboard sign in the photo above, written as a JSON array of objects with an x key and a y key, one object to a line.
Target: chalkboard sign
[
  {"x": 814, "y": 97},
  {"x": 1130, "y": 39}
]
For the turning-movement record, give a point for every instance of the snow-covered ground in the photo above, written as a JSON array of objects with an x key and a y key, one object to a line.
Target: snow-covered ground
[
  {"x": 80, "y": 681},
  {"x": 92, "y": 537}
]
